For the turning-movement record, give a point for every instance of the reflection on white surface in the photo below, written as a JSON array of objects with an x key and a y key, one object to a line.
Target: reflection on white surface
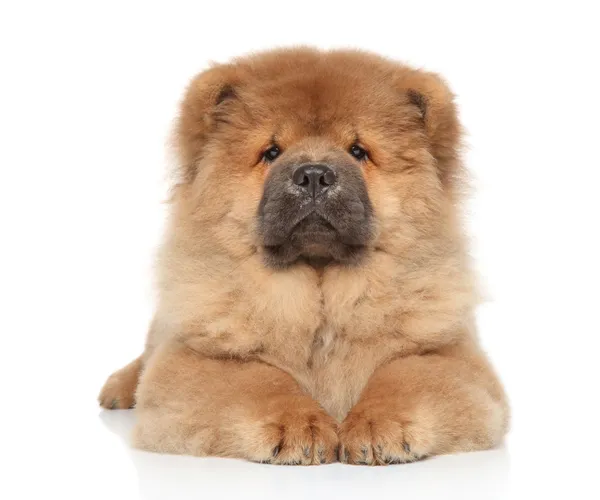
[{"x": 482, "y": 475}]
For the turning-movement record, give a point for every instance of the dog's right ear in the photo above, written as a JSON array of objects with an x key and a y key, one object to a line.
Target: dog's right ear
[{"x": 200, "y": 112}]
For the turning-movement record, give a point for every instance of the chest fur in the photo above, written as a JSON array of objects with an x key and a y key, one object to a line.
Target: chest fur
[{"x": 330, "y": 332}]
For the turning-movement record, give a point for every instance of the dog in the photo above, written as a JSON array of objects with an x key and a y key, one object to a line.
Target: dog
[{"x": 315, "y": 295}]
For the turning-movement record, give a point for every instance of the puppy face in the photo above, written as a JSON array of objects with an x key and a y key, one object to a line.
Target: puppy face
[
  {"x": 305, "y": 156},
  {"x": 315, "y": 205}
]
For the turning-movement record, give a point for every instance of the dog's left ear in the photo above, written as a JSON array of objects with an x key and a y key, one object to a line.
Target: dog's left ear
[{"x": 434, "y": 101}]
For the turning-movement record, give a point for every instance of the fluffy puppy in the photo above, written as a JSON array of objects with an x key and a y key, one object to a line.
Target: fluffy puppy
[{"x": 315, "y": 300}]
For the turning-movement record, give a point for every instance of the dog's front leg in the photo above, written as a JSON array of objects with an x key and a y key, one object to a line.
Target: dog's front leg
[
  {"x": 444, "y": 402},
  {"x": 191, "y": 404}
]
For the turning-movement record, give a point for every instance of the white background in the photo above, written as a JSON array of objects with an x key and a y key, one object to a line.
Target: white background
[{"x": 87, "y": 96}]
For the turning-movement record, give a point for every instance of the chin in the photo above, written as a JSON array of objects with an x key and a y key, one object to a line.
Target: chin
[{"x": 314, "y": 241}]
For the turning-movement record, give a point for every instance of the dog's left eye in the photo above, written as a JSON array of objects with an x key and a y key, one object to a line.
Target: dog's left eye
[
  {"x": 358, "y": 152},
  {"x": 271, "y": 153}
]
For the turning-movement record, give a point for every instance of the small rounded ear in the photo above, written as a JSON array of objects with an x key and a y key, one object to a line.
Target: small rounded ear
[
  {"x": 435, "y": 102},
  {"x": 199, "y": 114}
]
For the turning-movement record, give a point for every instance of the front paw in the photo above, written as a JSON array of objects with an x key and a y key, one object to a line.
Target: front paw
[
  {"x": 381, "y": 436},
  {"x": 297, "y": 436}
]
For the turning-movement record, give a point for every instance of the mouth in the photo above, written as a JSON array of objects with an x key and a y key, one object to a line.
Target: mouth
[
  {"x": 315, "y": 236},
  {"x": 298, "y": 225},
  {"x": 314, "y": 225},
  {"x": 316, "y": 241},
  {"x": 311, "y": 233}
]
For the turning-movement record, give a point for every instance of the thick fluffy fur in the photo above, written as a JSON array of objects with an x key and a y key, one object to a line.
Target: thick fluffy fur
[{"x": 372, "y": 362}]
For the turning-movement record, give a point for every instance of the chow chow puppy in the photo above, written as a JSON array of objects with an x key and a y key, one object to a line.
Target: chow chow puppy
[{"x": 315, "y": 300}]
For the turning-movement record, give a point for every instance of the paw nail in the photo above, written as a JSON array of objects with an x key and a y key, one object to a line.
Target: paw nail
[
  {"x": 364, "y": 450},
  {"x": 276, "y": 451},
  {"x": 114, "y": 404},
  {"x": 306, "y": 452},
  {"x": 406, "y": 447}
]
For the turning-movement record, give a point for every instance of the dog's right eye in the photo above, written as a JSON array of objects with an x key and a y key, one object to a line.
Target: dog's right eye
[{"x": 271, "y": 153}]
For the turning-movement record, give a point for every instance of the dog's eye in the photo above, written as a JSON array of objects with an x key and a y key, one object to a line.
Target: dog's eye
[
  {"x": 358, "y": 152},
  {"x": 271, "y": 153}
]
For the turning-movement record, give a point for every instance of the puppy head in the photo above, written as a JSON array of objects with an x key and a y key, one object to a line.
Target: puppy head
[{"x": 321, "y": 157}]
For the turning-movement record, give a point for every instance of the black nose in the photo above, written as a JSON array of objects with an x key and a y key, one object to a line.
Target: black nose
[{"x": 315, "y": 178}]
